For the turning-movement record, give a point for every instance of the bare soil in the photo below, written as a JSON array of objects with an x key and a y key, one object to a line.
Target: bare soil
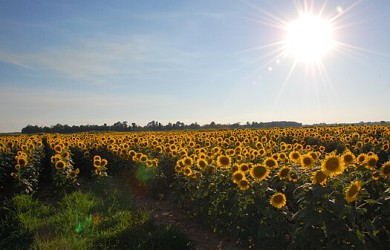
[{"x": 166, "y": 212}]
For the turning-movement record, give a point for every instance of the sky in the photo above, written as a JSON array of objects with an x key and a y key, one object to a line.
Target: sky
[{"x": 94, "y": 62}]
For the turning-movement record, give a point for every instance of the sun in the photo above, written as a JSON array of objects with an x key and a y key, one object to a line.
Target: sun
[{"x": 309, "y": 38}]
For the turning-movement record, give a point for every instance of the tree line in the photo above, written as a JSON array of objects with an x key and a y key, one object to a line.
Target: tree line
[{"x": 152, "y": 126}]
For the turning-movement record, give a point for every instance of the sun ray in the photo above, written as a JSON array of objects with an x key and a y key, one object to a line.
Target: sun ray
[
  {"x": 285, "y": 82},
  {"x": 267, "y": 14}
]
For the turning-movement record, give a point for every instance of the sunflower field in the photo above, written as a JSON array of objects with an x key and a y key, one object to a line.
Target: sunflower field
[{"x": 296, "y": 188}]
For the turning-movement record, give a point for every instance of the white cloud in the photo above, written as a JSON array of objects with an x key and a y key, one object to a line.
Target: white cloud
[{"x": 91, "y": 58}]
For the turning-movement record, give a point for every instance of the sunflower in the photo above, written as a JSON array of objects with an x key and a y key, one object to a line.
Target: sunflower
[
  {"x": 143, "y": 158},
  {"x": 103, "y": 162},
  {"x": 285, "y": 173},
  {"x": 58, "y": 148},
  {"x": 361, "y": 159},
  {"x": 149, "y": 163},
  {"x": 278, "y": 200},
  {"x": 319, "y": 178},
  {"x": 385, "y": 170},
  {"x": 178, "y": 168},
  {"x": 259, "y": 172},
  {"x": 235, "y": 167},
  {"x": 306, "y": 161},
  {"x": 97, "y": 163},
  {"x": 351, "y": 193},
  {"x": 60, "y": 165},
  {"x": 348, "y": 157},
  {"x": 239, "y": 157},
  {"x": 270, "y": 162},
  {"x": 243, "y": 184},
  {"x": 372, "y": 161},
  {"x": 73, "y": 174},
  {"x": 188, "y": 161},
  {"x": 87, "y": 154},
  {"x": 224, "y": 161},
  {"x": 244, "y": 167},
  {"x": 294, "y": 156},
  {"x": 22, "y": 161},
  {"x": 282, "y": 157},
  {"x": 187, "y": 171},
  {"x": 201, "y": 163},
  {"x": 332, "y": 165},
  {"x": 314, "y": 155},
  {"x": 238, "y": 176}
]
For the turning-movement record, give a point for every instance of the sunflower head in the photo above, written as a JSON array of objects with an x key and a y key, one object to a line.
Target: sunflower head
[
  {"x": 201, "y": 163},
  {"x": 224, "y": 161},
  {"x": 187, "y": 171},
  {"x": 22, "y": 161},
  {"x": 244, "y": 167},
  {"x": 238, "y": 176},
  {"x": 319, "y": 177},
  {"x": 385, "y": 170},
  {"x": 332, "y": 165},
  {"x": 361, "y": 159},
  {"x": 348, "y": 157},
  {"x": 60, "y": 165},
  {"x": 278, "y": 200},
  {"x": 270, "y": 163},
  {"x": 294, "y": 156},
  {"x": 285, "y": 173},
  {"x": 259, "y": 172},
  {"x": 352, "y": 191},
  {"x": 188, "y": 161},
  {"x": 372, "y": 161},
  {"x": 243, "y": 184},
  {"x": 306, "y": 161}
]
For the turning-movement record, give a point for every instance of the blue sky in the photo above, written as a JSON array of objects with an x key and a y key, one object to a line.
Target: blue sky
[{"x": 95, "y": 62}]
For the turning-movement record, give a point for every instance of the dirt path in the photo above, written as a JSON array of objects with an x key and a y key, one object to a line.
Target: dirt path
[{"x": 165, "y": 212}]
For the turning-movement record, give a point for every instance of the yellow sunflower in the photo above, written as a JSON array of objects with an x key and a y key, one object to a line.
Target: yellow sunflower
[
  {"x": 244, "y": 167},
  {"x": 351, "y": 193},
  {"x": 22, "y": 161},
  {"x": 224, "y": 161},
  {"x": 306, "y": 161},
  {"x": 361, "y": 159},
  {"x": 188, "y": 161},
  {"x": 332, "y": 165},
  {"x": 201, "y": 163},
  {"x": 270, "y": 162},
  {"x": 278, "y": 200},
  {"x": 385, "y": 170},
  {"x": 348, "y": 157},
  {"x": 371, "y": 161},
  {"x": 294, "y": 156},
  {"x": 285, "y": 173},
  {"x": 259, "y": 172},
  {"x": 178, "y": 168},
  {"x": 60, "y": 165},
  {"x": 319, "y": 177},
  {"x": 243, "y": 184},
  {"x": 73, "y": 174},
  {"x": 238, "y": 176},
  {"x": 187, "y": 171}
]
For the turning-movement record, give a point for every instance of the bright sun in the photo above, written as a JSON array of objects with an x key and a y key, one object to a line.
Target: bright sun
[{"x": 309, "y": 38}]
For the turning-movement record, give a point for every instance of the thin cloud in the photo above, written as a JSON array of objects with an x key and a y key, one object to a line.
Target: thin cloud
[{"x": 92, "y": 58}]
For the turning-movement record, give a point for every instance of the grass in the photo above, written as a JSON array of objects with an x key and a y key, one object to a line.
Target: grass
[{"x": 95, "y": 219}]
